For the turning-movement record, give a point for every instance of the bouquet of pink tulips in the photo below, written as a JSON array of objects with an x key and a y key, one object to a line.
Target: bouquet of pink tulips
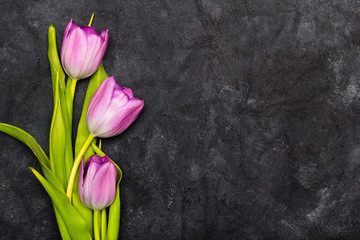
[{"x": 87, "y": 200}]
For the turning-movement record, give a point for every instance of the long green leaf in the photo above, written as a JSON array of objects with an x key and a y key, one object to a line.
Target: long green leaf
[
  {"x": 61, "y": 224},
  {"x": 61, "y": 153},
  {"x": 69, "y": 154},
  {"x": 103, "y": 224},
  {"x": 26, "y": 138},
  {"x": 115, "y": 207},
  {"x": 84, "y": 211},
  {"x": 74, "y": 222},
  {"x": 55, "y": 64},
  {"x": 114, "y": 216},
  {"x": 57, "y": 139},
  {"x": 83, "y": 131}
]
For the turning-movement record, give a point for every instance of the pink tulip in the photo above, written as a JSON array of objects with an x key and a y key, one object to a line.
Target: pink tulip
[
  {"x": 97, "y": 182},
  {"x": 112, "y": 109},
  {"x": 82, "y": 50}
]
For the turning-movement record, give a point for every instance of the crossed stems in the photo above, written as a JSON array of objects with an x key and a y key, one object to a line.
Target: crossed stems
[{"x": 75, "y": 167}]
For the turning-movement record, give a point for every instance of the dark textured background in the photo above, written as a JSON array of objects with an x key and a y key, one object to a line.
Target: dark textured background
[{"x": 251, "y": 124}]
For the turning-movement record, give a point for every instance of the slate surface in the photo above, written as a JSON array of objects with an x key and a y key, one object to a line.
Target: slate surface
[{"x": 251, "y": 125}]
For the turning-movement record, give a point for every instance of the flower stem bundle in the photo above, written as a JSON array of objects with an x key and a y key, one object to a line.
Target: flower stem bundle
[{"x": 86, "y": 201}]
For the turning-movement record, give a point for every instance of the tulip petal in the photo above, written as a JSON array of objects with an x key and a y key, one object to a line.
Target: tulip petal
[
  {"x": 118, "y": 99},
  {"x": 94, "y": 158},
  {"x": 94, "y": 43},
  {"x": 100, "y": 54},
  {"x": 107, "y": 115},
  {"x": 81, "y": 179},
  {"x": 104, "y": 34},
  {"x": 65, "y": 44},
  {"x": 69, "y": 27},
  {"x": 99, "y": 104},
  {"x": 82, "y": 50},
  {"x": 89, "y": 30},
  {"x": 128, "y": 92},
  {"x": 97, "y": 189},
  {"x": 104, "y": 186},
  {"x": 75, "y": 53},
  {"x": 91, "y": 168},
  {"x": 134, "y": 108},
  {"x": 115, "y": 122}
]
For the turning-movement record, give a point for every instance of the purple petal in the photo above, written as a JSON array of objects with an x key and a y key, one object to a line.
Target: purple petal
[
  {"x": 99, "y": 104},
  {"x": 89, "y": 30},
  {"x": 69, "y": 27},
  {"x": 94, "y": 43},
  {"x": 134, "y": 107},
  {"x": 105, "y": 35},
  {"x": 128, "y": 92},
  {"x": 75, "y": 51},
  {"x": 65, "y": 44},
  {"x": 118, "y": 99},
  {"x": 104, "y": 186},
  {"x": 100, "y": 54},
  {"x": 81, "y": 179},
  {"x": 115, "y": 122},
  {"x": 91, "y": 172},
  {"x": 93, "y": 159},
  {"x": 82, "y": 50}
]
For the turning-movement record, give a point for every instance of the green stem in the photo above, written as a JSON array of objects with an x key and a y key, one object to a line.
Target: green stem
[
  {"x": 91, "y": 20},
  {"x": 100, "y": 144},
  {"x": 97, "y": 225},
  {"x": 69, "y": 94},
  {"x": 97, "y": 150},
  {"x": 76, "y": 166},
  {"x": 72, "y": 87},
  {"x": 103, "y": 224}
]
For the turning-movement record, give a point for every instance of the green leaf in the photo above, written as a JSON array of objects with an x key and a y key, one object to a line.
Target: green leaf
[
  {"x": 83, "y": 131},
  {"x": 57, "y": 139},
  {"x": 103, "y": 224},
  {"x": 61, "y": 153},
  {"x": 68, "y": 148},
  {"x": 114, "y": 216},
  {"x": 55, "y": 64},
  {"x": 115, "y": 207},
  {"x": 26, "y": 138},
  {"x": 69, "y": 154},
  {"x": 74, "y": 222},
  {"x": 84, "y": 211},
  {"x": 61, "y": 224}
]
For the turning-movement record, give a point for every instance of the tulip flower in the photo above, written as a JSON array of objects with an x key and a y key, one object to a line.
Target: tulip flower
[
  {"x": 97, "y": 182},
  {"x": 82, "y": 50},
  {"x": 112, "y": 109}
]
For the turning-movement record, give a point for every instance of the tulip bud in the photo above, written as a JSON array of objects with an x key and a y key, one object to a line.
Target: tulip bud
[
  {"x": 112, "y": 109},
  {"x": 97, "y": 182},
  {"x": 82, "y": 50}
]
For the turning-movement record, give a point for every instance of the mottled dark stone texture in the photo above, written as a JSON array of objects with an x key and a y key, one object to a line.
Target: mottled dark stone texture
[{"x": 251, "y": 124}]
